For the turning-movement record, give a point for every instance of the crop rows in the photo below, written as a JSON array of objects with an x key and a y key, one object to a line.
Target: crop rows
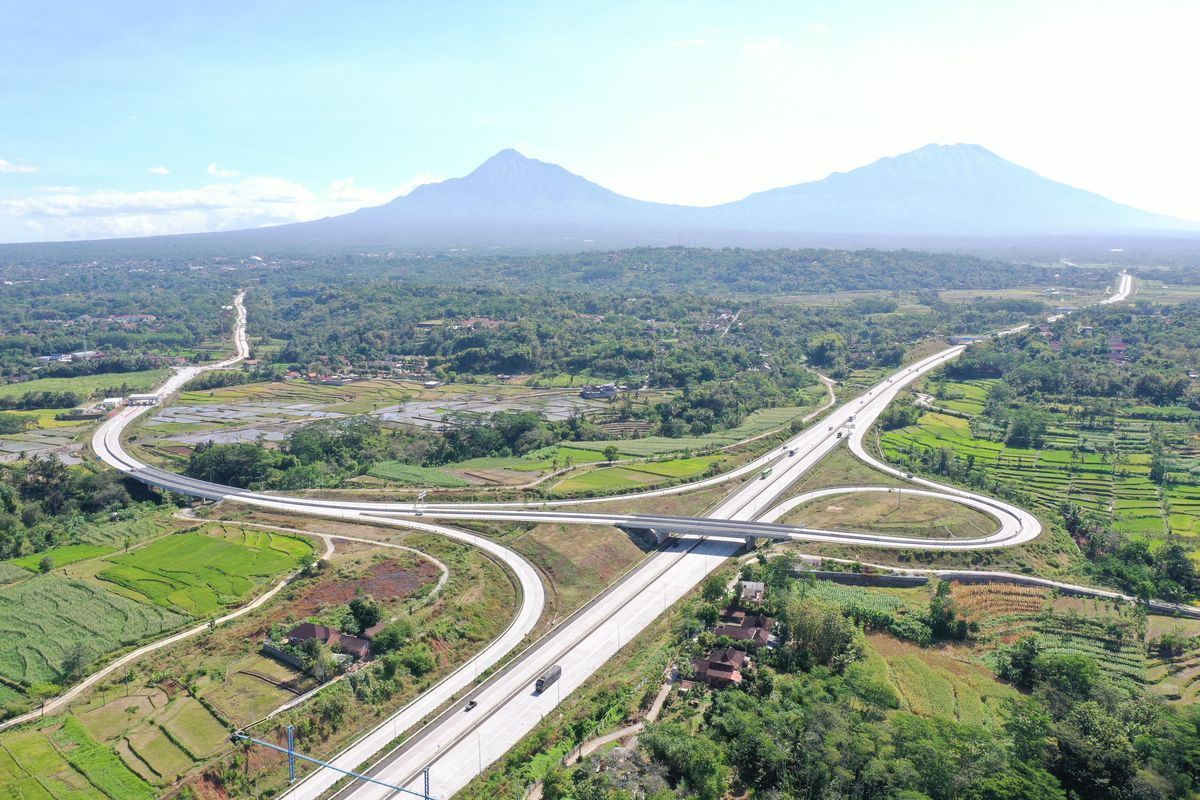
[
  {"x": 42, "y": 617},
  {"x": 1104, "y": 470}
]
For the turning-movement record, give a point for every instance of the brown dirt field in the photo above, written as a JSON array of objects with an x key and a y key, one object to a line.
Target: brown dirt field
[
  {"x": 383, "y": 580},
  {"x": 209, "y": 788},
  {"x": 984, "y": 601}
]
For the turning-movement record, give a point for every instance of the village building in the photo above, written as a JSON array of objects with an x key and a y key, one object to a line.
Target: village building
[{"x": 721, "y": 667}]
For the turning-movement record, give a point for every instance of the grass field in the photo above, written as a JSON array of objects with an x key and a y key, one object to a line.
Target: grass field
[
  {"x": 580, "y": 559},
  {"x": 200, "y": 573},
  {"x": 945, "y": 682},
  {"x": 40, "y": 618},
  {"x": 61, "y": 556},
  {"x": 544, "y": 459},
  {"x": 896, "y": 514},
  {"x": 87, "y": 385}
]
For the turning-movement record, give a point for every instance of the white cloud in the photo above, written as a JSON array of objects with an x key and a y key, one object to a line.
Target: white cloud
[
  {"x": 220, "y": 172},
  {"x": 345, "y": 193},
  {"x": 818, "y": 28},
  {"x": 689, "y": 43},
  {"x": 65, "y": 212},
  {"x": 162, "y": 170},
  {"x": 8, "y": 166}
]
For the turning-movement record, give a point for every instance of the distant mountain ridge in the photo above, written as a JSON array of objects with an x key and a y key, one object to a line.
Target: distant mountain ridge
[
  {"x": 960, "y": 197},
  {"x": 945, "y": 190},
  {"x": 938, "y": 190}
]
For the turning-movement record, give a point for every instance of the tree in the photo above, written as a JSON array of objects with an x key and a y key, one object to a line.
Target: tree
[
  {"x": 393, "y": 636},
  {"x": 418, "y": 659},
  {"x": 74, "y": 660},
  {"x": 317, "y": 659},
  {"x": 611, "y": 453},
  {"x": 813, "y": 633},
  {"x": 1027, "y": 428},
  {"x": 1017, "y": 664},
  {"x": 46, "y": 564},
  {"x": 691, "y": 760},
  {"x": 366, "y": 613},
  {"x": 713, "y": 588}
]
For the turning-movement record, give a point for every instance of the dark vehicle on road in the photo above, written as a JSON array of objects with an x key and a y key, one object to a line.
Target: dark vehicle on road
[
  {"x": 470, "y": 704},
  {"x": 548, "y": 678}
]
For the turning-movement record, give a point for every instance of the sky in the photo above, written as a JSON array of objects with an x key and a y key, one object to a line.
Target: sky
[{"x": 136, "y": 118}]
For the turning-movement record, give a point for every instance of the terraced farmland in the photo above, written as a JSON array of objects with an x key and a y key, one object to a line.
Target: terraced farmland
[
  {"x": 44, "y": 616},
  {"x": 58, "y": 760},
  {"x": 201, "y": 572},
  {"x": 1104, "y": 467},
  {"x": 1107, "y": 634}
]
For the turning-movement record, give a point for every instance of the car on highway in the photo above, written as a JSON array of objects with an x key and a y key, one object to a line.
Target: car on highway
[
  {"x": 470, "y": 704},
  {"x": 791, "y": 452},
  {"x": 548, "y": 678},
  {"x": 839, "y": 434}
]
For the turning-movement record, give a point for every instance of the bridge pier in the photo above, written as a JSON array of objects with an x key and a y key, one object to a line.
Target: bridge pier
[
  {"x": 752, "y": 543},
  {"x": 659, "y": 536}
]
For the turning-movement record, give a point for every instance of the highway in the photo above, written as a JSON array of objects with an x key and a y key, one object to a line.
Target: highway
[{"x": 458, "y": 744}]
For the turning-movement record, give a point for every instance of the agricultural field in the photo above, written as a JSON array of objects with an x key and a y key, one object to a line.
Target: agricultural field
[
  {"x": 946, "y": 682},
  {"x": 413, "y": 475},
  {"x": 1112, "y": 635},
  {"x": 127, "y": 532},
  {"x": 756, "y": 424},
  {"x": 159, "y": 732},
  {"x": 1103, "y": 469},
  {"x": 636, "y": 475},
  {"x": 42, "y": 617},
  {"x": 61, "y": 556},
  {"x": 89, "y": 385},
  {"x": 202, "y": 572},
  {"x": 59, "y": 760}
]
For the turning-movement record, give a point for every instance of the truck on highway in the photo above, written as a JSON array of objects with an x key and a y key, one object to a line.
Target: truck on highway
[
  {"x": 548, "y": 678},
  {"x": 762, "y": 475}
]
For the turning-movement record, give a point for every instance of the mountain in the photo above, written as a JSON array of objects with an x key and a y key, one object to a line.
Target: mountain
[
  {"x": 958, "y": 197},
  {"x": 960, "y": 190},
  {"x": 939, "y": 190},
  {"x": 506, "y": 200}
]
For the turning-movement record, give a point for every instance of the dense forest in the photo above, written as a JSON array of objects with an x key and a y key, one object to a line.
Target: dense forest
[{"x": 604, "y": 305}]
